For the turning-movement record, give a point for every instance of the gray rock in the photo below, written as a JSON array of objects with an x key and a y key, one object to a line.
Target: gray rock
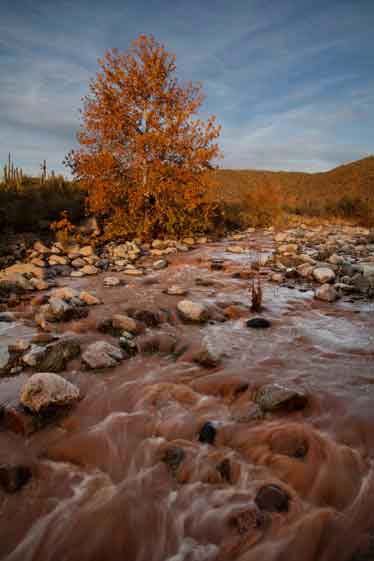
[
  {"x": 57, "y": 354},
  {"x": 46, "y": 389},
  {"x": 102, "y": 355}
]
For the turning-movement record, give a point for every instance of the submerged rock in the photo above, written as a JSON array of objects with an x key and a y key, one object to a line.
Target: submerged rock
[
  {"x": 14, "y": 477},
  {"x": 207, "y": 433},
  {"x": 272, "y": 498},
  {"x": 112, "y": 281},
  {"x": 57, "y": 354},
  {"x": 258, "y": 323},
  {"x": 46, "y": 389}
]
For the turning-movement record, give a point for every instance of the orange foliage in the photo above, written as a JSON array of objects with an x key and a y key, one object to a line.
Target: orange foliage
[{"x": 144, "y": 156}]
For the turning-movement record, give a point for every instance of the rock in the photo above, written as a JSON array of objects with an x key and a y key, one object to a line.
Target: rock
[
  {"x": 41, "y": 248},
  {"x": 89, "y": 270},
  {"x": 20, "y": 346},
  {"x": 127, "y": 343},
  {"x": 58, "y": 260},
  {"x": 86, "y": 251},
  {"x": 33, "y": 356},
  {"x": 207, "y": 433},
  {"x": 193, "y": 311},
  {"x": 207, "y": 355},
  {"x": 277, "y": 277},
  {"x": 272, "y": 498},
  {"x": 123, "y": 322},
  {"x": 14, "y": 477},
  {"x": 134, "y": 272},
  {"x": 235, "y": 249},
  {"x": 305, "y": 270},
  {"x": 176, "y": 290},
  {"x": 64, "y": 293},
  {"x": 77, "y": 274},
  {"x": 89, "y": 299},
  {"x": 39, "y": 284},
  {"x": 60, "y": 310},
  {"x": 272, "y": 397},
  {"x": 7, "y": 317},
  {"x": 46, "y": 389},
  {"x": 327, "y": 293},
  {"x": 323, "y": 274},
  {"x": 173, "y": 457},
  {"x": 281, "y": 237},
  {"x": 78, "y": 263},
  {"x": 258, "y": 323},
  {"x": 38, "y": 262},
  {"x": 57, "y": 354},
  {"x": 25, "y": 269},
  {"x": 102, "y": 355},
  {"x": 14, "y": 284},
  {"x": 160, "y": 264},
  {"x": 5, "y": 359}
]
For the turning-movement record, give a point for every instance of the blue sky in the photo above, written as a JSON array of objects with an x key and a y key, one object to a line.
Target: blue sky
[{"x": 291, "y": 82}]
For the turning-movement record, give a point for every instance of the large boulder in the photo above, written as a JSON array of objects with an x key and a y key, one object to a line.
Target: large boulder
[
  {"x": 46, "y": 389},
  {"x": 193, "y": 311},
  {"x": 102, "y": 355},
  {"x": 57, "y": 354}
]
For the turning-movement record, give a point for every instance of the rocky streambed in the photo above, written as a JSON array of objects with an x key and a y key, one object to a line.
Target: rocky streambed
[{"x": 148, "y": 413}]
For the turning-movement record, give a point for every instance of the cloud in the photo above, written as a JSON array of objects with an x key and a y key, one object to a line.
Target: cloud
[{"x": 290, "y": 82}]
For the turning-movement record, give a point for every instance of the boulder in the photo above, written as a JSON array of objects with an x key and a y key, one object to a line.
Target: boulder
[
  {"x": 102, "y": 355},
  {"x": 86, "y": 251},
  {"x": 258, "y": 323},
  {"x": 57, "y": 354},
  {"x": 122, "y": 322},
  {"x": 193, "y": 311},
  {"x": 46, "y": 389},
  {"x": 5, "y": 359},
  {"x": 323, "y": 274}
]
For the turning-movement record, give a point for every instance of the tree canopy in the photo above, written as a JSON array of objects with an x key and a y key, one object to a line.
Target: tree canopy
[{"x": 145, "y": 157}]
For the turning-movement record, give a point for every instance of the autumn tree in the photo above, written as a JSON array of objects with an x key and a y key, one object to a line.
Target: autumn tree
[{"x": 145, "y": 156}]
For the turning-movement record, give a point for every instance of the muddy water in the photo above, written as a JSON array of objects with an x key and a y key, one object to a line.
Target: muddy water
[{"x": 125, "y": 477}]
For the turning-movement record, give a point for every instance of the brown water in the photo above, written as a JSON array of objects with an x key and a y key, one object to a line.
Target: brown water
[{"x": 101, "y": 490}]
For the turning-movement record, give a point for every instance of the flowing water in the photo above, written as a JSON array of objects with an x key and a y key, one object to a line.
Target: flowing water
[{"x": 124, "y": 476}]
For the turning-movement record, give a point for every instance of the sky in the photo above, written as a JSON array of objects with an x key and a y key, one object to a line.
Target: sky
[{"x": 290, "y": 81}]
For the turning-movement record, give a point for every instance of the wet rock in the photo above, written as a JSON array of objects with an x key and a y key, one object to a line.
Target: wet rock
[
  {"x": 14, "y": 284},
  {"x": 163, "y": 343},
  {"x": 173, "y": 457},
  {"x": 149, "y": 317},
  {"x": 323, "y": 274},
  {"x": 64, "y": 293},
  {"x": 86, "y": 251},
  {"x": 60, "y": 310},
  {"x": 127, "y": 343},
  {"x": 176, "y": 290},
  {"x": 258, "y": 323},
  {"x": 33, "y": 356},
  {"x": 58, "y": 260},
  {"x": 272, "y": 498},
  {"x": 57, "y": 354},
  {"x": 41, "y": 248},
  {"x": 207, "y": 355},
  {"x": 103, "y": 264},
  {"x": 272, "y": 397},
  {"x": 192, "y": 311},
  {"x": 5, "y": 360},
  {"x": 121, "y": 322},
  {"x": 14, "y": 477},
  {"x": 207, "y": 433},
  {"x": 112, "y": 281},
  {"x": 327, "y": 293},
  {"x": 20, "y": 346},
  {"x": 305, "y": 270},
  {"x": 102, "y": 355},
  {"x": 45, "y": 390}
]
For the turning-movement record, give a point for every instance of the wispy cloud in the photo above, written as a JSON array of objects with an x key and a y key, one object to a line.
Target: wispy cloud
[{"x": 292, "y": 83}]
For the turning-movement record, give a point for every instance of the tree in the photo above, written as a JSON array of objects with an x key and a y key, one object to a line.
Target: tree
[{"x": 144, "y": 157}]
